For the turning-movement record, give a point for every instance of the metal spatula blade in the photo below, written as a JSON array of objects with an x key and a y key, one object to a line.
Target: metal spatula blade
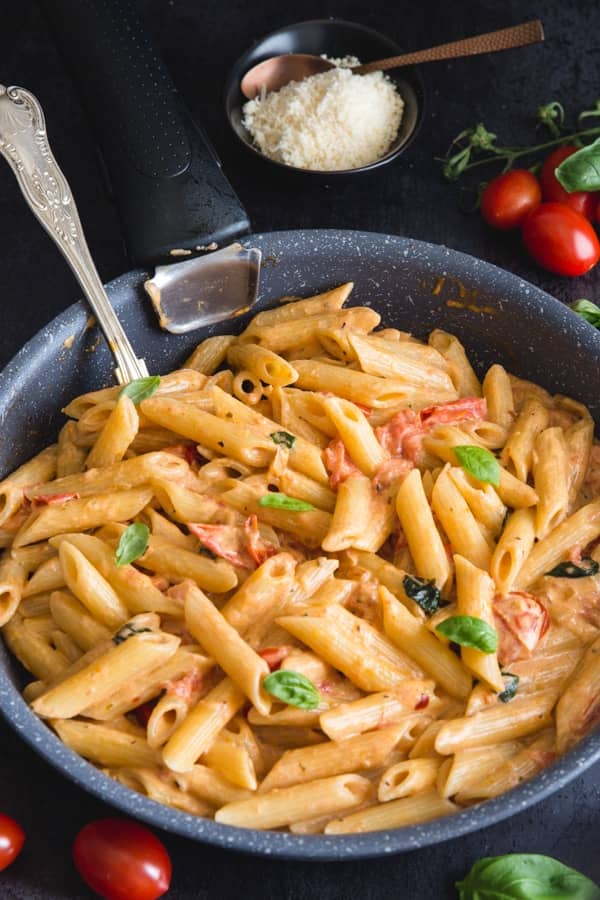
[{"x": 204, "y": 290}]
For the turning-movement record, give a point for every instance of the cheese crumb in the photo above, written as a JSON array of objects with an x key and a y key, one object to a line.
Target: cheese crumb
[{"x": 332, "y": 121}]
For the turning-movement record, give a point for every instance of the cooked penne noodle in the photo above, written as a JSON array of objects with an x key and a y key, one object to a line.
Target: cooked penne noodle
[
  {"x": 89, "y": 512},
  {"x": 551, "y": 479},
  {"x": 283, "y": 806},
  {"x": 407, "y": 778},
  {"x": 202, "y": 725},
  {"x": 102, "y": 677},
  {"x": 497, "y": 391},
  {"x": 513, "y": 547},
  {"x": 383, "y": 708},
  {"x": 393, "y": 814},
  {"x": 237, "y": 659},
  {"x": 350, "y": 644},
  {"x": 424, "y": 540},
  {"x": 413, "y": 638},
  {"x": 474, "y": 595}
]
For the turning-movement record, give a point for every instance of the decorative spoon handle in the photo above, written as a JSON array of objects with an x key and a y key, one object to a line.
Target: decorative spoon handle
[
  {"x": 23, "y": 142},
  {"x": 504, "y": 39}
]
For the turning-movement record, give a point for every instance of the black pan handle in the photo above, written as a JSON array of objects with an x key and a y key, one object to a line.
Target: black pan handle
[{"x": 166, "y": 178}]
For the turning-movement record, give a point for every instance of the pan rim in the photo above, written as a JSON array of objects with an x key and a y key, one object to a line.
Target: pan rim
[{"x": 311, "y": 847}]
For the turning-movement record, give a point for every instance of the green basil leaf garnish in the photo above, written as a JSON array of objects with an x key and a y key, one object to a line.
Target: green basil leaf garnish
[
  {"x": 511, "y": 687},
  {"x": 425, "y": 593},
  {"x": 284, "y": 438},
  {"x": 140, "y": 388},
  {"x": 525, "y": 876},
  {"x": 292, "y": 688},
  {"x": 581, "y": 170},
  {"x": 276, "y": 500},
  {"x": 587, "y": 310},
  {"x": 127, "y": 631},
  {"x": 469, "y": 631},
  {"x": 133, "y": 544},
  {"x": 572, "y": 570},
  {"x": 479, "y": 463}
]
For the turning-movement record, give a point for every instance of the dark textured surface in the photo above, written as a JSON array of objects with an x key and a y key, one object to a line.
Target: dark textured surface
[{"x": 199, "y": 42}]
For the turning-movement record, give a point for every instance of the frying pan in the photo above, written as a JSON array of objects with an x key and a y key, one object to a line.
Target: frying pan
[{"x": 415, "y": 286}]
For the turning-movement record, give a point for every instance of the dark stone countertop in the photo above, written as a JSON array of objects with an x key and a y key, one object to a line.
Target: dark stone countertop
[{"x": 199, "y": 41}]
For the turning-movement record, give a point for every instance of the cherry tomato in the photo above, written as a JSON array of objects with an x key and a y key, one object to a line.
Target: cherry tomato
[
  {"x": 122, "y": 860},
  {"x": 12, "y": 838},
  {"x": 509, "y": 198},
  {"x": 560, "y": 239},
  {"x": 583, "y": 202}
]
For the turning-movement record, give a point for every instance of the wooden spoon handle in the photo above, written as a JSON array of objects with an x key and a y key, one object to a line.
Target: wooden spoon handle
[{"x": 504, "y": 39}]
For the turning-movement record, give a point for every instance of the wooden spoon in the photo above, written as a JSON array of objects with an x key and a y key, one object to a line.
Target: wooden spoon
[{"x": 274, "y": 73}]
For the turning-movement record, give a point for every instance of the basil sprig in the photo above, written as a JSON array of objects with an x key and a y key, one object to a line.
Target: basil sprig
[
  {"x": 292, "y": 688},
  {"x": 283, "y": 438},
  {"x": 133, "y": 544},
  {"x": 511, "y": 687},
  {"x": 470, "y": 631},
  {"x": 425, "y": 593},
  {"x": 587, "y": 310},
  {"x": 276, "y": 500},
  {"x": 572, "y": 570},
  {"x": 140, "y": 388},
  {"x": 479, "y": 463},
  {"x": 525, "y": 876},
  {"x": 581, "y": 170}
]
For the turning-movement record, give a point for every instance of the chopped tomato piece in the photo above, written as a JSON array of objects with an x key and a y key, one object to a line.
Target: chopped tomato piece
[
  {"x": 53, "y": 499},
  {"x": 257, "y": 547},
  {"x": 521, "y": 621},
  {"x": 338, "y": 463},
  {"x": 455, "y": 411},
  {"x": 186, "y": 687},
  {"x": 226, "y": 541},
  {"x": 422, "y": 702},
  {"x": 274, "y": 656},
  {"x": 401, "y": 427}
]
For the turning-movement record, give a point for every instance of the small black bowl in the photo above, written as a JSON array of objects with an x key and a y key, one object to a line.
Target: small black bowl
[{"x": 335, "y": 38}]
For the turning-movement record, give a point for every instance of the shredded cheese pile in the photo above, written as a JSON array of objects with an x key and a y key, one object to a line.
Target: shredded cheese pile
[{"x": 331, "y": 121}]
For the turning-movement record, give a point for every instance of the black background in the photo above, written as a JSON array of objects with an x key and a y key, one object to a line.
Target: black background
[{"x": 199, "y": 40}]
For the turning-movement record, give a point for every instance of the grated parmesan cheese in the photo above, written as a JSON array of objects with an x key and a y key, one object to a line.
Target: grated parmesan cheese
[{"x": 331, "y": 121}]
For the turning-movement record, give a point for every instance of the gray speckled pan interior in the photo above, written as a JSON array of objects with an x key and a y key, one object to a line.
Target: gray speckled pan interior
[{"x": 416, "y": 287}]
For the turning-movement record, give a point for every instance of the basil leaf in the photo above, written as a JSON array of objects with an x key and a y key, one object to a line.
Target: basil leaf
[
  {"x": 292, "y": 688},
  {"x": 140, "y": 388},
  {"x": 525, "y": 876},
  {"x": 581, "y": 170},
  {"x": 133, "y": 543},
  {"x": 587, "y": 310},
  {"x": 571, "y": 570},
  {"x": 275, "y": 500},
  {"x": 284, "y": 438},
  {"x": 479, "y": 463},
  {"x": 127, "y": 631},
  {"x": 511, "y": 688},
  {"x": 425, "y": 593},
  {"x": 469, "y": 631}
]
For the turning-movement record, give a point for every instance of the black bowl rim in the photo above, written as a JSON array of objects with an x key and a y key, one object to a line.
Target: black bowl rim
[
  {"x": 328, "y": 173},
  {"x": 277, "y": 844}
]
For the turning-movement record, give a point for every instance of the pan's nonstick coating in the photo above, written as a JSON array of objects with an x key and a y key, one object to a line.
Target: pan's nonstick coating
[{"x": 416, "y": 287}]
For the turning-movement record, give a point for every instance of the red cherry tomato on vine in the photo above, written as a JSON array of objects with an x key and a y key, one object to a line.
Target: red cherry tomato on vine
[
  {"x": 122, "y": 860},
  {"x": 12, "y": 838},
  {"x": 583, "y": 202},
  {"x": 509, "y": 198},
  {"x": 560, "y": 239}
]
